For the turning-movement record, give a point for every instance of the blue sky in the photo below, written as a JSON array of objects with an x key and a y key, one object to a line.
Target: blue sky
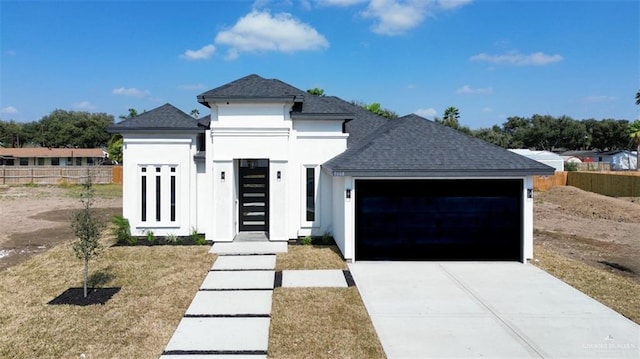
[{"x": 490, "y": 59}]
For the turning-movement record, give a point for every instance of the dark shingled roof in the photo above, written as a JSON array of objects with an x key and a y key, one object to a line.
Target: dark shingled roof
[
  {"x": 252, "y": 87},
  {"x": 165, "y": 117},
  {"x": 412, "y": 146}
]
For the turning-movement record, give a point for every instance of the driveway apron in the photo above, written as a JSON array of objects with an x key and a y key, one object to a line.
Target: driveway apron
[{"x": 487, "y": 309}]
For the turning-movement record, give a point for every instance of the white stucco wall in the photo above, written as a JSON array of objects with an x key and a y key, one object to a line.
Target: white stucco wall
[
  {"x": 161, "y": 151},
  {"x": 266, "y": 131}
]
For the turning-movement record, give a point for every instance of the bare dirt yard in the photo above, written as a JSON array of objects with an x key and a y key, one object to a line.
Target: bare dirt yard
[
  {"x": 602, "y": 232},
  {"x": 36, "y": 218}
]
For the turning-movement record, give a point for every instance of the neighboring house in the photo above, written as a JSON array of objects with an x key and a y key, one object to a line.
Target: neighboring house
[
  {"x": 272, "y": 158},
  {"x": 571, "y": 159},
  {"x": 618, "y": 160},
  {"x": 545, "y": 157},
  {"x": 43, "y": 156}
]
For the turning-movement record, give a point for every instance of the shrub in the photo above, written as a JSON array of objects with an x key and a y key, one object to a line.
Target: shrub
[
  {"x": 306, "y": 240},
  {"x": 150, "y": 236},
  {"x": 171, "y": 239},
  {"x": 197, "y": 238},
  {"x": 122, "y": 230},
  {"x": 570, "y": 166}
]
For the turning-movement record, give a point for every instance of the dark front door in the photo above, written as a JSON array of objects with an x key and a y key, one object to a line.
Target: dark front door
[{"x": 254, "y": 195}]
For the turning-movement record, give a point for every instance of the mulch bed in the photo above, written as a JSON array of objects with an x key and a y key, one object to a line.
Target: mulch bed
[{"x": 75, "y": 296}]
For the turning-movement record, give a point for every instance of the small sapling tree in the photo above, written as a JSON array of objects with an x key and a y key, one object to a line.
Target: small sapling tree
[{"x": 87, "y": 229}]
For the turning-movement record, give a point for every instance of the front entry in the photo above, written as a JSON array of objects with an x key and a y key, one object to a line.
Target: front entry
[{"x": 254, "y": 195}]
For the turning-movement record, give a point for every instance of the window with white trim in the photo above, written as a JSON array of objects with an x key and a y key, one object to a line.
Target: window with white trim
[
  {"x": 158, "y": 196},
  {"x": 310, "y": 213}
]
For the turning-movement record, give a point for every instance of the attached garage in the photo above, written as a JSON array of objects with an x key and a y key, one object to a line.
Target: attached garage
[
  {"x": 417, "y": 190},
  {"x": 472, "y": 219}
]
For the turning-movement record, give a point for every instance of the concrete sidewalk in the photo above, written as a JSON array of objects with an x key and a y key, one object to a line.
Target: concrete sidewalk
[{"x": 487, "y": 309}]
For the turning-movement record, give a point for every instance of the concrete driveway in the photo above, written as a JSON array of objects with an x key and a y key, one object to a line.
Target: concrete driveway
[{"x": 487, "y": 309}]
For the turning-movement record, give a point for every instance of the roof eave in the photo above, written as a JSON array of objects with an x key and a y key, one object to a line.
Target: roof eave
[
  {"x": 337, "y": 172},
  {"x": 115, "y": 129},
  {"x": 322, "y": 116},
  {"x": 206, "y": 100}
]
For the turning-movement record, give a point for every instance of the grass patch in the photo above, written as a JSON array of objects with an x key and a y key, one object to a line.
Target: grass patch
[
  {"x": 321, "y": 323},
  {"x": 157, "y": 284},
  {"x": 105, "y": 191},
  {"x": 613, "y": 290},
  {"x": 310, "y": 257}
]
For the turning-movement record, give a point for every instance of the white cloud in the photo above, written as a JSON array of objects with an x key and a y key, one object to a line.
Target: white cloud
[
  {"x": 466, "y": 89},
  {"x": 84, "y": 105},
  {"x": 9, "y": 110},
  {"x": 515, "y": 58},
  {"x": 395, "y": 17},
  {"x": 342, "y": 3},
  {"x": 203, "y": 53},
  {"x": 261, "y": 31},
  {"x": 599, "y": 99},
  {"x": 191, "y": 87},
  {"x": 452, "y": 4},
  {"x": 426, "y": 112},
  {"x": 131, "y": 91}
]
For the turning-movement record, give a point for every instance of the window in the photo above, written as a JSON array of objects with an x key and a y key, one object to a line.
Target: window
[
  {"x": 9, "y": 162},
  {"x": 89, "y": 160},
  {"x": 40, "y": 161},
  {"x": 143, "y": 191},
  {"x": 24, "y": 162},
  {"x": 158, "y": 191},
  {"x": 69, "y": 161},
  {"x": 311, "y": 194},
  {"x": 78, "y": 161},
  {"x": 173, "y": 194},
  {"x": 158, "y": 197},
  {"x": 55, "y": 161}
]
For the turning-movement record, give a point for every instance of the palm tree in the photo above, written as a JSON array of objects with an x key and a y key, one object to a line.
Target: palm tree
[
  {"x": 634, "y": 133},
  {"x": 451, "y": 116},
  {"x": 638, "y": 97}
]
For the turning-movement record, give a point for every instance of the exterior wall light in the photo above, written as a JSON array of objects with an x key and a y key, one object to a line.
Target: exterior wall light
[
  {"x": 279, "y": 176},
  {"x": 222, "y": 176},
  {"x": 348, "y": 193},
  {"x": 529, "y": 193}
]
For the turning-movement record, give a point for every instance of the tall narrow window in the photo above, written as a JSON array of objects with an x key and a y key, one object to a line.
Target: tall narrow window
[
  {"x": 311, "y": 194},
  {"x": 158, "y": 204},
  {"x": 143, "y": 191},
  {"x": 173, "y": 194}
]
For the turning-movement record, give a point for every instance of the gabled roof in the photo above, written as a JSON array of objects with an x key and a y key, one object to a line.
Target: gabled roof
[
  {"x": 412, "y": 146},
  {"x": 252, "y": 87},
  {"x": 29, "y": 152},
  {"x": 166, "y": 117}
]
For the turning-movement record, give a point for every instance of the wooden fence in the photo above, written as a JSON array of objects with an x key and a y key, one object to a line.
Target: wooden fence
[
  {"x": 620, "y": 184},
  {"x": 17, "y": 175},
  {"x": 545, "y": 183}
]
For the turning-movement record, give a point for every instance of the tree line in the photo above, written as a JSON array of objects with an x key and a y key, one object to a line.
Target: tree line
[{"x": 59, "y": 129}]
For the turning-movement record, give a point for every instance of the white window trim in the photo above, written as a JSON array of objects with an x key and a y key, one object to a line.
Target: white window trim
[
  {"x": 165, "y": 196},
  {"x": 303, "y": 197}
]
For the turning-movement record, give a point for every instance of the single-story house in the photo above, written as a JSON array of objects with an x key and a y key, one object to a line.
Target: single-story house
[
  {"x": 546, "y": 157},
  {"x": 619, "y": 160},
  {"x": 44, "y": 156},
  {"x": 571, "y": 159},
  {"x": 272, "y": 158}
]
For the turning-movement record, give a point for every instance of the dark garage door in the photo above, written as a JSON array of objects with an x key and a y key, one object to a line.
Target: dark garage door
[{"x": 438, "y": 219}]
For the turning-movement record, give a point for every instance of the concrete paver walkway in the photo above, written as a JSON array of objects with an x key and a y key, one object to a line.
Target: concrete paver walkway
[
  {"x": 487, "y": 309},
  {"x": 229, "y": 316}
]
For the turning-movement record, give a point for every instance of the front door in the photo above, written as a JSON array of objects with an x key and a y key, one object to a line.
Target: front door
[{"x": 254, "y": 195}]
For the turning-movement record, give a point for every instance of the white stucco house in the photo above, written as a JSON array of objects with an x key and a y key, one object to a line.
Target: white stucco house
[{"x": 272, "y": 158}]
